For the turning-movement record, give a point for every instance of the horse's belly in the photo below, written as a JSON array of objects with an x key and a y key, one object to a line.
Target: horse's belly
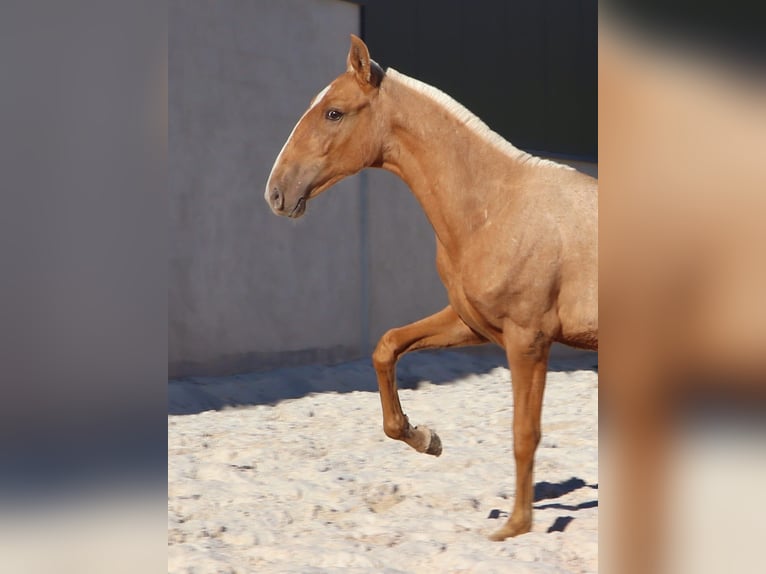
[
  {"x": 578, "y": 311},
  {"x": 579, "y": 329}
]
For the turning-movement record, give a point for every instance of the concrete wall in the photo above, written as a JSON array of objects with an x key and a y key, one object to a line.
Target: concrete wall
[{"x": 249, "y": 290}]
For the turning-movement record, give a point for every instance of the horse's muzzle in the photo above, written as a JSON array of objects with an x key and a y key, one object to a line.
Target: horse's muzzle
[{"x": 278, "y": 203}]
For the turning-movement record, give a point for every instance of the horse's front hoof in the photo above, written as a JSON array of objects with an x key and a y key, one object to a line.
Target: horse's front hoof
[
  {"x": 423, "y": 439},
  {"x": 435, "y": 445},
  {"x": 510, "y": 530}
]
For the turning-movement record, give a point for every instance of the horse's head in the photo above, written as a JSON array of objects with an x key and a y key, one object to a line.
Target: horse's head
[{"x": 337, "y": 136}]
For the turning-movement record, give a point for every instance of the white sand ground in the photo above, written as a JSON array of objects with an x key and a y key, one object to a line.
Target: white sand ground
[{"x": 300, "y": 478}]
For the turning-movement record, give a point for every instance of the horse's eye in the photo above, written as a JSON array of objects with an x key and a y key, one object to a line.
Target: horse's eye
[{"x": 334, "y": 115}]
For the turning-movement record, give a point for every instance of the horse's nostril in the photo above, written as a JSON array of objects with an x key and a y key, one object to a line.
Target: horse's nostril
[{"x": 277, "y": 199}]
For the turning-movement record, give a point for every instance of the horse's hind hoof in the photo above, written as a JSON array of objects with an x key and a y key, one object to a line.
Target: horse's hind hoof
[{"x": 435, "y": 445}]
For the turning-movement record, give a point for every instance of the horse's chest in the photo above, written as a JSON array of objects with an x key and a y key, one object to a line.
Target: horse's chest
[{"x": 470, "y": 299}]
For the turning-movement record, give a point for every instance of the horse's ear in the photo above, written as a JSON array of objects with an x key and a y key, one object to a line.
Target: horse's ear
[{"x": 358, "y": 61}]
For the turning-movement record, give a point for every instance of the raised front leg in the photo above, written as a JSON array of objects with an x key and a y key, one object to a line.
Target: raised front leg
[
  {"x": 527, "y": 352},
  {"x": 443, "y": 329}
]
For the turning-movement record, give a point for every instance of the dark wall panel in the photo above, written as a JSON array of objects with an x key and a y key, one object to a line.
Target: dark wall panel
[{"x": 527, "y": 68}]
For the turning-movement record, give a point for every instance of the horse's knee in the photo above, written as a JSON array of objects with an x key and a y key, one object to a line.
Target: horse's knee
[{"x": 384, "y": 354}]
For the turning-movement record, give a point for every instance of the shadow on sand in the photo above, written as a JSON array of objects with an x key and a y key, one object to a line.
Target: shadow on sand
[
  {"x": 548, "y": 490},
  {"x": 193, "y": 395}
]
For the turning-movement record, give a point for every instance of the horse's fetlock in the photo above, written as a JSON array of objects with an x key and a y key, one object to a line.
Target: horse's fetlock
[{"x": 395, "y": 430}]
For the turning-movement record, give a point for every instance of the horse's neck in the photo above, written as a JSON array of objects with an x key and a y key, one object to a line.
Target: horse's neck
[{"x": 444, "y": 163}]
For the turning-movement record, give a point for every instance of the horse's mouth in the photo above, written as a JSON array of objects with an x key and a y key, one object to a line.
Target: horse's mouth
[{"x": 299, "y": 209}]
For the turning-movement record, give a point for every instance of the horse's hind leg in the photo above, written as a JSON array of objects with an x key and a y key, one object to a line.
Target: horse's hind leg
[
  {"x": 443, "y": 329},
  {"x": 527, "y": 352}
]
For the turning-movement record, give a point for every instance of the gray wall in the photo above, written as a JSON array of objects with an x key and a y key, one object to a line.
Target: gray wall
[{"x": 249, "y": 290}]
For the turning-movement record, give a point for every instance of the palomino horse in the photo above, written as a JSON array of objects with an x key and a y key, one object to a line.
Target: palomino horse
[{"x": 516, "y": 236}]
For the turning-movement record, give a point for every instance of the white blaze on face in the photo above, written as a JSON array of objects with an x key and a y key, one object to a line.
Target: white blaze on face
[
  {"x": 319, "y": 96},
  {"x": 314, "y": 103}
]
